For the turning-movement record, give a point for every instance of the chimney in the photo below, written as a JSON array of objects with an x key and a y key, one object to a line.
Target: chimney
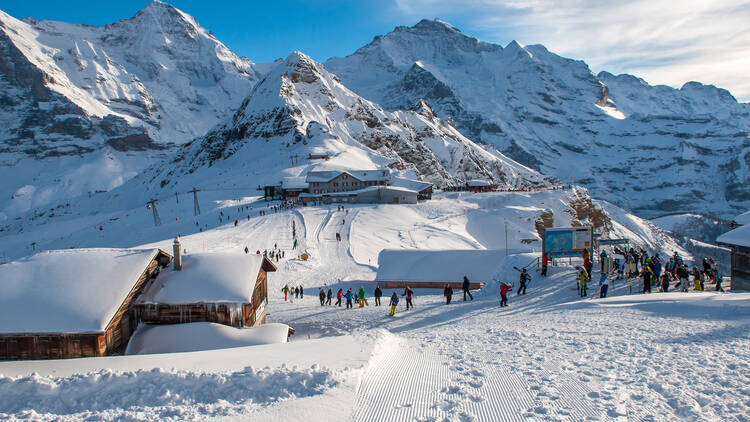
[{"x": 177, "y": 260}]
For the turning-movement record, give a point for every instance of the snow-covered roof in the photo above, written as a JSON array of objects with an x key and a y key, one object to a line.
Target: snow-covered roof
[
  {"x": 743, "y": 218},
  {"x": 293, "y": 183},
  {"x": 362, "y": 175},
  {"x": 438, "y": 265},
  {"x": 208, "y": 277},
  {"x": 739, "y": 237},
  {"x": 477, "y": 183},
  {"x": 415, "y": 185},
  {"x": 66, "y": 291},
  {"x": 358, "y": 191}
]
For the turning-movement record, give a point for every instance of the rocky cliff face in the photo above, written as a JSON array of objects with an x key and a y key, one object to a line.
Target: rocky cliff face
[
  {"x": 300, "y": 108},
  {"x": 652, "y": 149}
]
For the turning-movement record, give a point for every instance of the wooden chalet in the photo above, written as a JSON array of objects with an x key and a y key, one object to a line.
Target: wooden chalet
[
  {"x": 225, "y": 288},
  {"x": 738, "y": 241},
  {"x": 477, "y": 186},
  {"x": 73, "y": 303},
  {"x": 434, "y": 269}
]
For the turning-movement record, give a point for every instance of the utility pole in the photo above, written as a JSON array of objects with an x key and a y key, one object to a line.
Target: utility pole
[
  {"x": 196, "y": 207},
  {"x": 177, "y": 197},
  {"x": 157, "y": 220},
  {"x": 506, "y": 237}
]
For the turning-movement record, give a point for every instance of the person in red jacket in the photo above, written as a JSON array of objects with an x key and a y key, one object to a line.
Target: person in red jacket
[
  {"x": 504, "y": 289},
  {"x": 587, "y": 266}
]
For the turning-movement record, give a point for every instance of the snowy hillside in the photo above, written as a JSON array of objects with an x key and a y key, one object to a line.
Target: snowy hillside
[
  {"x": 650, "y": 149},
  {"x": 298, "y": 108},
  {"x": 549, "y": 355},
  {"x": 127, "y": 91}
]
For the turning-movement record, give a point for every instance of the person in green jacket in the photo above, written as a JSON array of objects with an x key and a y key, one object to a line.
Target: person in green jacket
[
  {"x": 286, "y": 292},
  {"x": 583, "y": 280},
  {"x": 361, "y": 296}
]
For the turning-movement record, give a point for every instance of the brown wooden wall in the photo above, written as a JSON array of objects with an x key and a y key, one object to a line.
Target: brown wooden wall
[
  {"x": 235, "y": 314},
  {"x": 76, "y": 345}
]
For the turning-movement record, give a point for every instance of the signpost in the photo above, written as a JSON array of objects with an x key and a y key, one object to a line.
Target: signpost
[{"x": 568, "y": 241}]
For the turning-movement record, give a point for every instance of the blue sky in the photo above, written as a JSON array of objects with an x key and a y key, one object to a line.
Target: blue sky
[{"x": 662, "y": 41}]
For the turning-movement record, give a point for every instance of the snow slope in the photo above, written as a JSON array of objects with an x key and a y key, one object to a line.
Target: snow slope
[{"x": 650, "y": 149}]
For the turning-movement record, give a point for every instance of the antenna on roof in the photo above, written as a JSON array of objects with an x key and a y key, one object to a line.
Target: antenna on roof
[
  {"x": 196, "y": 206},
  {"x": 157, "y": 220}
]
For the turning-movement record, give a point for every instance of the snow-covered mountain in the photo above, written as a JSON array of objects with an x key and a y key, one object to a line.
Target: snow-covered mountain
[
  {"x": 299, "y": 109},
  {"x": 651, "y": 149},
  {"x": 110, "y": 98}
]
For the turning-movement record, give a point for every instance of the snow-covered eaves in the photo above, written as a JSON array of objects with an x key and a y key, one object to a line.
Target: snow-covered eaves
[
  {"x": 438, "y": 265},
  {"x": 743, "y": 218},
  {"x": 737, "y": 237},
  {"x": 294, "y": 183},
  {"x": 361, "y": 175},
  {"x": 68, "y": 291},
  {"x": 208, "y": 277},
  {"x": 415, "y": 185}
]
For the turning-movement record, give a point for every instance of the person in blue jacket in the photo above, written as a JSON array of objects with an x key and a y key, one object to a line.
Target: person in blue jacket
[
  {"x": 349, "y": 296},
  {"x": 394, "y": 303}
]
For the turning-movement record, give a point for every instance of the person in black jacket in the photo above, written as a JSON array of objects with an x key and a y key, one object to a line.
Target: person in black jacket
[
  {"x": 448, "y": 292},
  {"x": 466, "y": 286},
  {"x": 322, "y": 297},
  {"x": 329, "y": 297},
  {"x": 378, "y": 295},
  {"x": 525, "y": 277}
]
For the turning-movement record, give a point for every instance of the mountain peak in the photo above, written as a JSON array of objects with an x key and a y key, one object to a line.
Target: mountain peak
[{"x": 435, "y": 25}]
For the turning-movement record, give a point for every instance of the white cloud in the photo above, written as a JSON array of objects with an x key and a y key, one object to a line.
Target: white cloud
[{"x": 663, "y": 41}]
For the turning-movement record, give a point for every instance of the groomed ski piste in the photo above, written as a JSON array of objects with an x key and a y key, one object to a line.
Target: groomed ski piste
[{"x": 550, "y": 355}]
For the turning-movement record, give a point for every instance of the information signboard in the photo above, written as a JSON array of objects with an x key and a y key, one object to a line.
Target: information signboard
[{"x": 567, "y": 241}]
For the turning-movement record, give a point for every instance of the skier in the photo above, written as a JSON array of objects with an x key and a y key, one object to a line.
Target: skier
[
  {"x": 236, "y": 222},
  {"x": 301, "y": 289},
  {"x": 338, "y": 237},
  {"x": 296, "y": 292},
  {"x": 465, "y": 286},
  {"x": 339, "y": 295},
  {"x": 378, "y": 295},
  {"x": 349, "y": 296},
  {"x": 322, "y": 296},
  {"x": 329, "y": 296},
  {"x": 602, "y": 259},
  {"x": 545, "y": 263},
  {"x": 665, "y": 281},
  {"x": 408, "y": 293},
  {"x": 583, "y": 279},
  {"x": 587, "y": 266},
  {"x": 522, "y": 281},
  {"x": 647, "y": 273},
  {"x": 684, "y": 276},
  {"x": 286, "y": 290},
  {"x": 504, "y": 289},
  {"x": 394, "y": 303},
  {"x": 603, "y": 286},
  {"x": 448, "y": 293},
  {"x": 247, "y": 250}
]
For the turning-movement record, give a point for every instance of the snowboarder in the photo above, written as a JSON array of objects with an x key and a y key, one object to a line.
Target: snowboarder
[
  {"x": 322, "y": 296},
  {"x": 504, "y": 289},
  {"x": 394, "y": 303},
  {"x": 378, "y": 295},
  {"x": 465, "y": 287},
  {"x": 349, "y": 296},
  {"x": 408, "y": 293},
  {"x": 339, "y": 295},
  {"x": 285, "y": 289},
  {"x": 329, "y": 296},
  {"x": 522, "y": 281},
  {"x": 448, "y": 293}
]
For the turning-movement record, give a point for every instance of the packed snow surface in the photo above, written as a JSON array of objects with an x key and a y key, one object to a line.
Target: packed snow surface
[
  {"x": 175, "y": 338},
  {"x": 68, "y": 291},
  {"x": 207, "y": 277}
]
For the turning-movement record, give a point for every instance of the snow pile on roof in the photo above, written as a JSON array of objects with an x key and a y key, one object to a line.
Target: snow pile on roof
[
  {"x": 438, "y": 265},
  {"x": 743, "y": 218},
  {"x": 207, "y": 277},
  {"x": 176, "y": 338},
  {"x": 73, "y": 290},
  {"x": 739, "y": 237},
  {"x": 415, "y": 185}
]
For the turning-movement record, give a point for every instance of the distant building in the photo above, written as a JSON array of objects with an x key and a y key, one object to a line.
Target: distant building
[
  {"x": 368, "y": 195},
  {"x": 738, "y": 240},
  {"x": 423, "y": 189},
  {"x": 288, "y": 188},
  {"x": 73, "y": 303},
  {"x": 480, "y": 186},
  {"x": 318, "y": 156},
  {"x": 226, "y": 288}
]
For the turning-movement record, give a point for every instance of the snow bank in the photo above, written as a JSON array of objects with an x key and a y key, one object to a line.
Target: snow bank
[
  {"x": 208, "y": 277},
  {"x": 197, "y": 336},
  {"x": 156, "y": 394},
  {"x": 75, "y": 290},
  {"x": 438, "y": 266}
]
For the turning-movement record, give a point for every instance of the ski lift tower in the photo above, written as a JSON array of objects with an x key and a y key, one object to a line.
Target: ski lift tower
[
  {"x": 157, "y": 220},
  {"x": 196, "y": 207}
]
